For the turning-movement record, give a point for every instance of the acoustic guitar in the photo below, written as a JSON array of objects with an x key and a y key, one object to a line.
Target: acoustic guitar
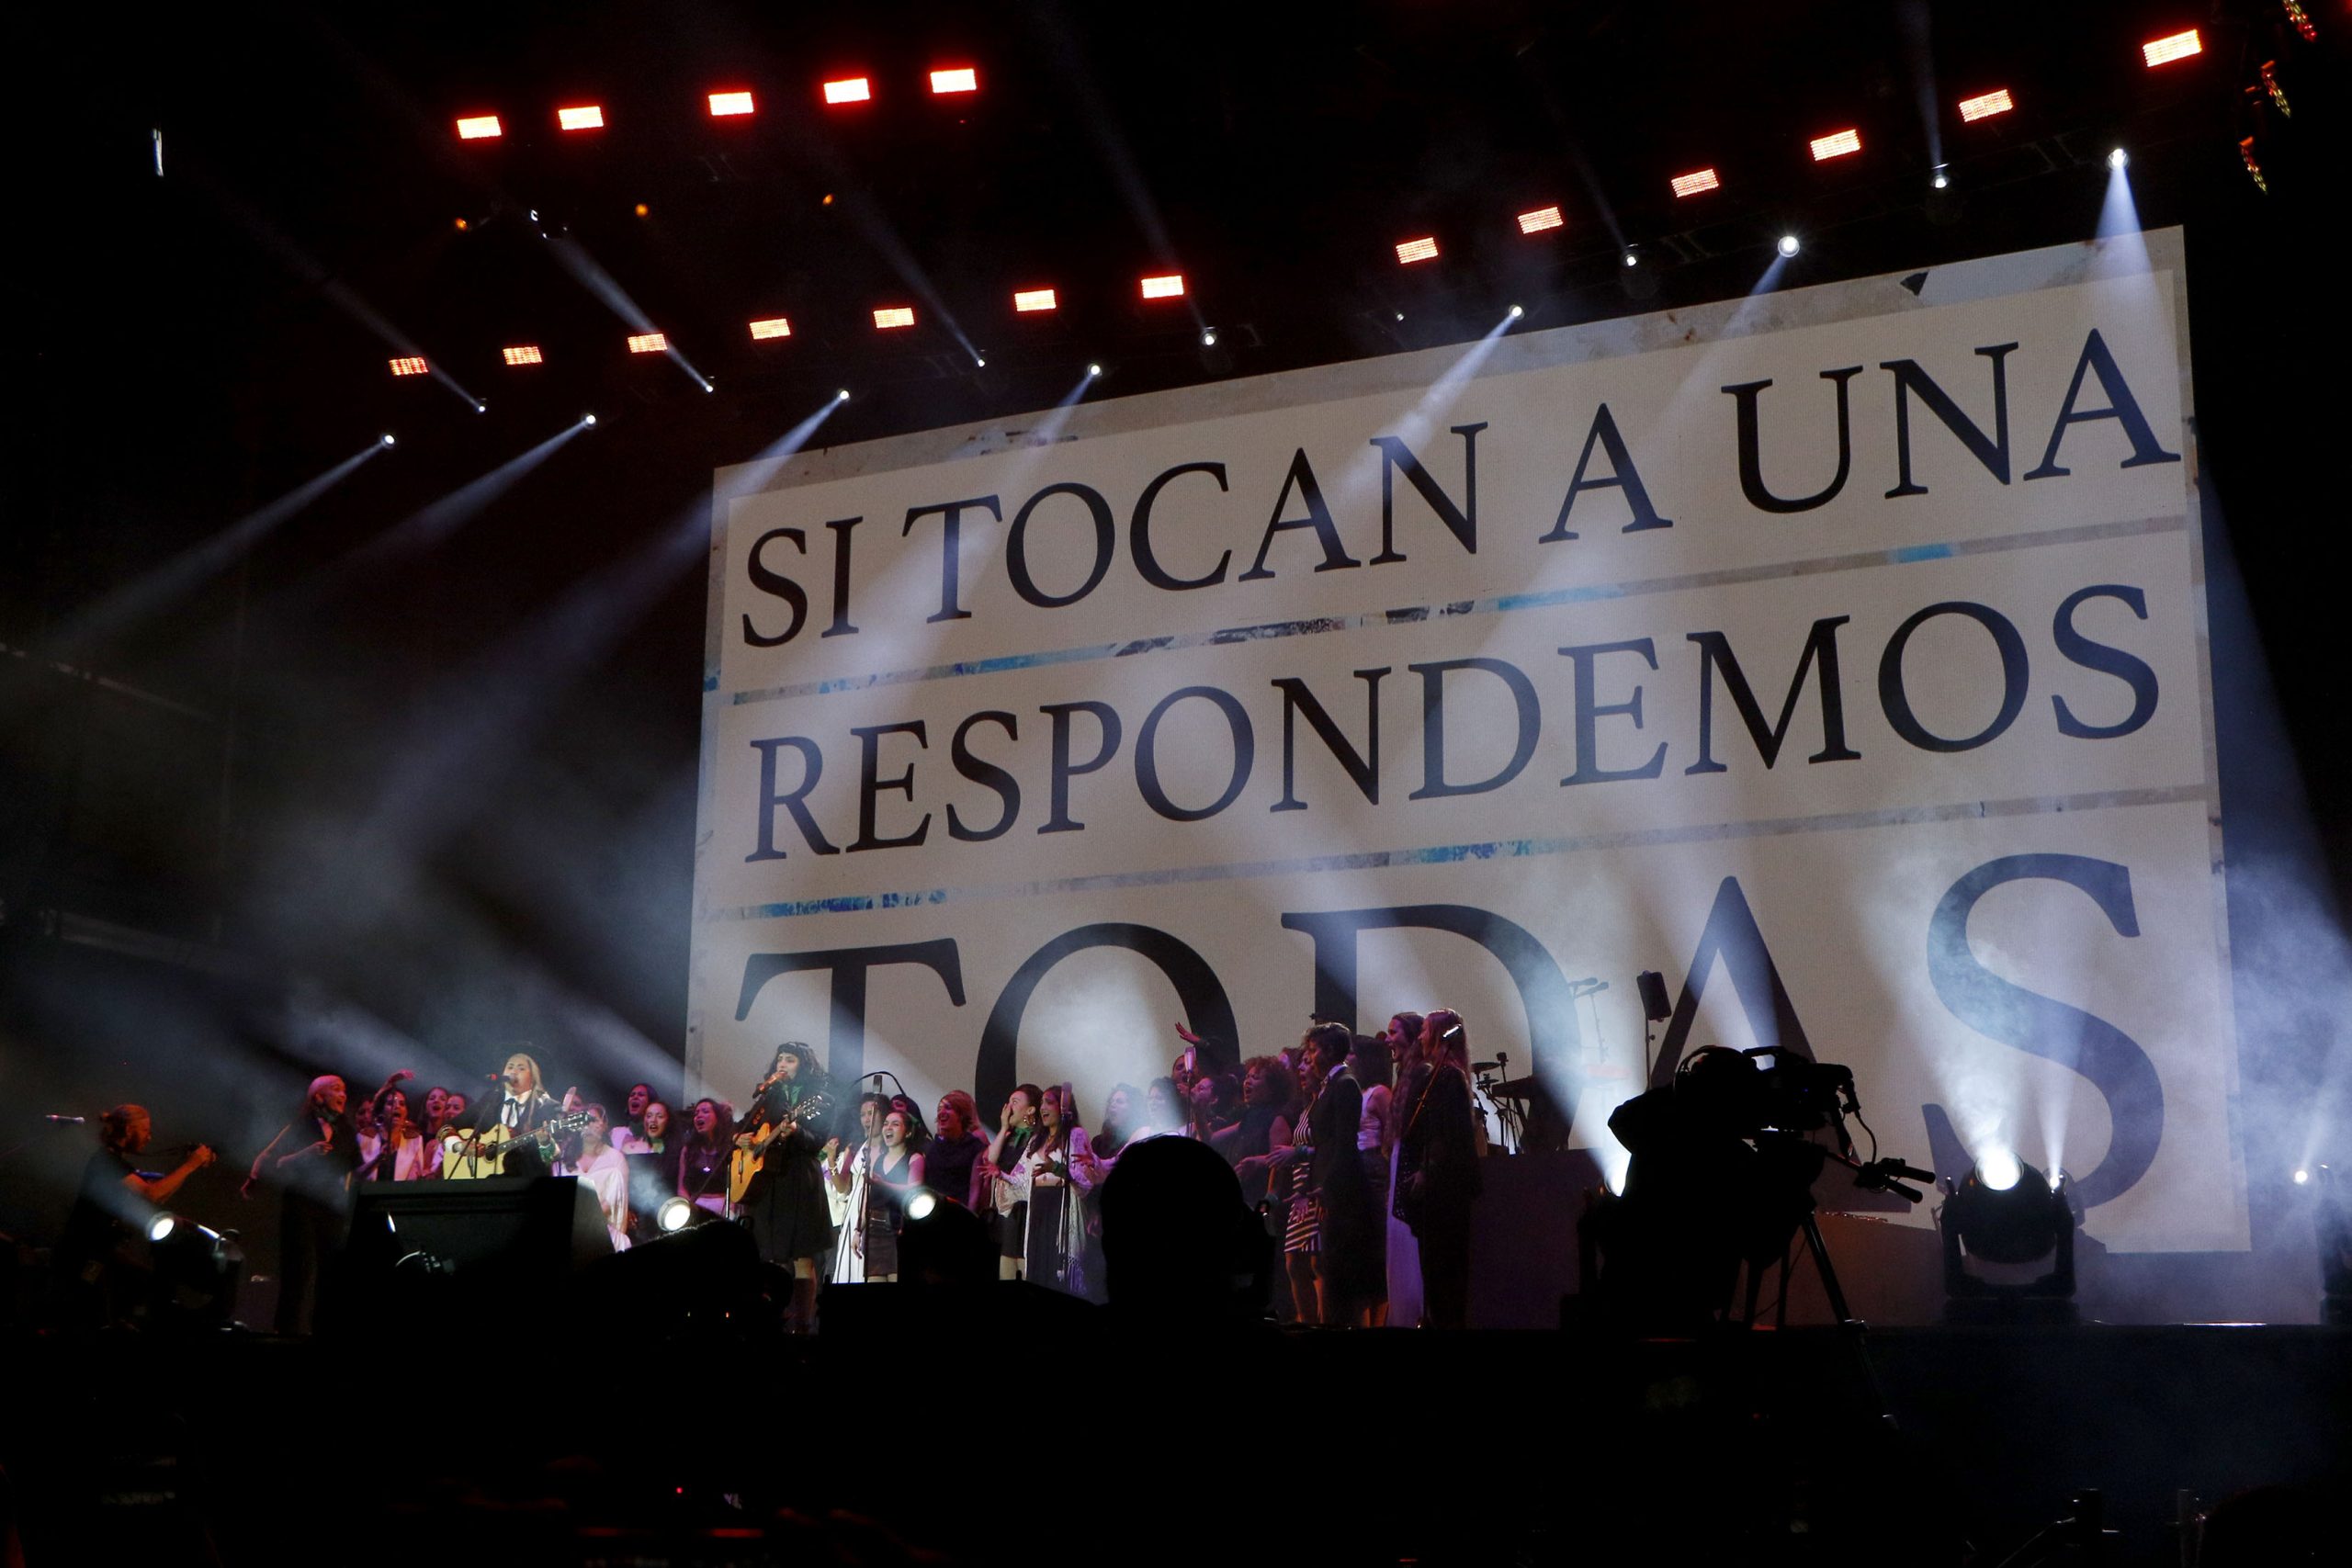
[
  {"x": 472, "y": 1157},
  {"x": 745, "y": 1164}
]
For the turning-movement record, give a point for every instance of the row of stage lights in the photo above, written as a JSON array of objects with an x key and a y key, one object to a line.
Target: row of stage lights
[
  {"x": 1164, "y": 287},
  {"x": 734, "y": 103}
]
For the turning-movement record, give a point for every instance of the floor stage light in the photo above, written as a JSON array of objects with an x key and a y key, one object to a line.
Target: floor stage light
[{"x": 2026, "y": 1223}]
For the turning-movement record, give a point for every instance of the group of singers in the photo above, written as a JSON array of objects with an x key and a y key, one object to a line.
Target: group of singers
[{"x": 1360, "y": 1153}]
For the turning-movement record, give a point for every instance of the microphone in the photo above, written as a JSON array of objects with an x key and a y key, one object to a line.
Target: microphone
[
  {"x": 1590, "y": 983},
  {"x": 66, "y": 1121},
  {"x": 495, "y": 1077}
]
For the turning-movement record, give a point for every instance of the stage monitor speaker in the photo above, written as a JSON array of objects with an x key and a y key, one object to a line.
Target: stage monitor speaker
[
  {"x": 433, "y": 1255},
  {"x": 1655, "y": 1005}
]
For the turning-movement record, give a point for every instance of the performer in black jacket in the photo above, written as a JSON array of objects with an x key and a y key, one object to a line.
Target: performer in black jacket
[
  {"x": 1352, "y": 1243},
  {"x": 787, "y": 1123},
  {"x": 524, "y": 1109},
  {"x": 312, "y": 1157},
  {"x": 1437, "y": 1169}
]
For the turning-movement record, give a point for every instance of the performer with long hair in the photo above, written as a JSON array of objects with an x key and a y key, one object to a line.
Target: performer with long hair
[{"x": 785, "y": 1124}]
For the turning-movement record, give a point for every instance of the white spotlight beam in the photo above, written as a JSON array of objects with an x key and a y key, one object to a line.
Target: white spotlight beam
[{"x": 138, "y": 600}]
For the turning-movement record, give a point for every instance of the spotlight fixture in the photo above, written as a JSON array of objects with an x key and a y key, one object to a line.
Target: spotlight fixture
[
  {"x": 1632, "y": 258},
  {"x": 1940, "y": 179},
  {"x": 1093, "y": 370},
  {"x": 480, "y": 406},
  {"x": 522, "y": 353},
  {"x": 1169, "y": 286},
  {"x": 1420, "y": 250},
  {"x": 842, "y": 396},
  {"x": 979, "y": 361},
  {"x": 1208, "y": 337},
  {"x": 919, "y": 1204},
  {"x": 2171, "y": 47},
  {"x": 196, "y": 1270},
  {"x": 1992, "y": 1231},
  {"x": 1517, "y": 312},
  {"x": 480, "y": 128},
  {"x": 1542, "y": 218},
  {"x": 725, "y": 103},
  {"x": 1984, "y": 106},
  {"x": 383, "y": 440},
  {"x": 673, "y": 1215},
  {"x": 648, "y": 343},
  {"x": 1788, "y": 246},
  {"x": 160, "y": 1228},
  {"x": 408, "y": 365},
  {"x": 1696, "y": 181},
  {"x": 589, "y": 419},
  {"x": 587, "y": 116},
  {"x": 1026, "y": 300},
  {"x": 2302, "y": 1178},
  {"x": 849, "y": 90},
  {"x": 643, "y": 210},
  {"x": 1836, "y": 144},
  {"x": 889, "y": 317},
  {"x": 955, "y": 79},
  {"x": 2117, "y": 158},
  {"x": 773, "y": 326}
]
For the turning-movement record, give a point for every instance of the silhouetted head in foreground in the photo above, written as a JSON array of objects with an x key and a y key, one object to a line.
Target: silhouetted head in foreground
[{"x": 1178, "y": 1241}]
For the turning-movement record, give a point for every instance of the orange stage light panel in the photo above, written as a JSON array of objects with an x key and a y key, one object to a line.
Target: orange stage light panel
[
  {"x": 725, "y": 103},
  {"x": 522, "y": 353},
  {"x": 648, "y": 343},
  {"x": 1169, "y": 287},
  {"x": 1420, "y": 250},
  {"x": 586, "y": 116},
  {"x": 1984, "y": 106},
  {"x": 2175, "y": 46},
  {"x": 479, "y": 127},
  {"x": 1696, "y": 181},
  {"x": 956, "y": 79},
  {"x": 889, "y": 317},
  {"x": 1836, "y": 144},
  {"x": 1026, "y": 300},
  {"x": 849, "y": 90},
  {"x": 774, "y": 326},
  {"x": 409, "y": 367},
  {"x": 1542, "y": 218}
]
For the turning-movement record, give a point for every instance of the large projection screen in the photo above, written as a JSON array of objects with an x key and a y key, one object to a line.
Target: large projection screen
[{"x": 1839, "y": 652}]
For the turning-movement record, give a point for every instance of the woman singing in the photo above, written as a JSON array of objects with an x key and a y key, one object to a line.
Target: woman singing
[{"x": 892, "y": 1174}]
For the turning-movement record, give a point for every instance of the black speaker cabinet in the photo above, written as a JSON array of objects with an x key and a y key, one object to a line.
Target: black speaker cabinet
[{"x": 460, "y": 1256}]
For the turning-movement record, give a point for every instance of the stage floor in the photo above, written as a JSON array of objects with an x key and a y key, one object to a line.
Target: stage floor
[{"x": 1370, "y": 1447}]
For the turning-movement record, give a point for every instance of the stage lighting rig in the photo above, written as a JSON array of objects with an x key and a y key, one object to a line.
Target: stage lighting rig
[
  {"x": 2008, "y": 1215},
  {"x": 1789, "y": 246},
  {"x": 2118, "y": 159},
  {"x": 197, "y": 1270}
]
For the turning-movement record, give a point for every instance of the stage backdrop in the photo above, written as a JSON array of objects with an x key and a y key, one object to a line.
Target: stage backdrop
[{"x": 1839, "y": 652}]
